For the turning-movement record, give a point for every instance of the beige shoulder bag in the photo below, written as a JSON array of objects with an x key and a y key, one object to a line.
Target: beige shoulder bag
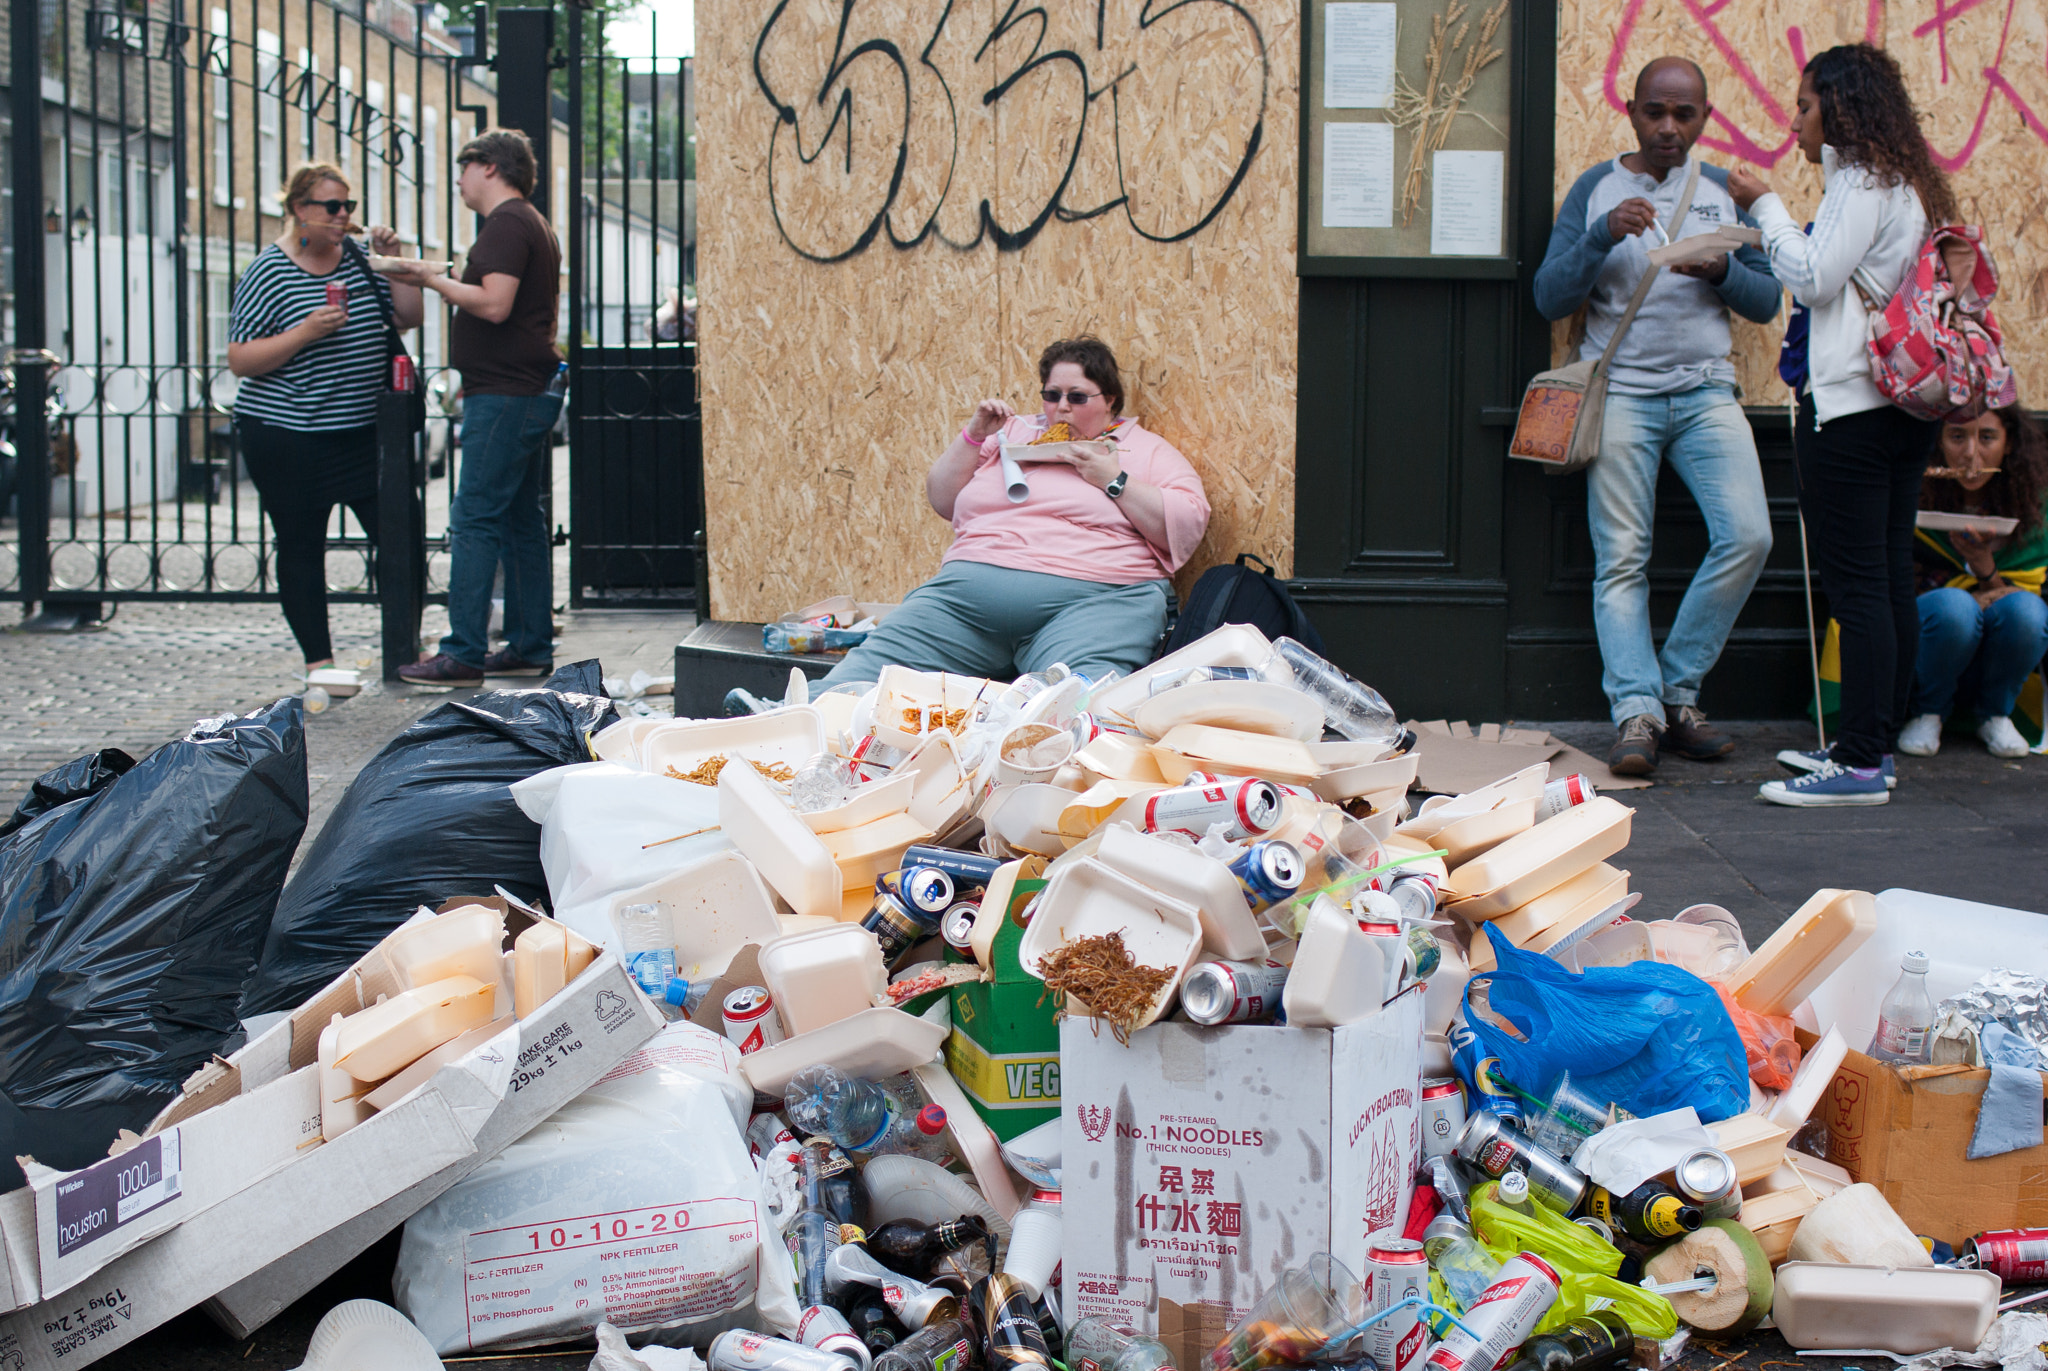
[{"x": 1559, "y": 424}]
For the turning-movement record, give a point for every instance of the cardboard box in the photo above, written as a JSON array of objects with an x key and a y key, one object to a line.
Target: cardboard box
[
  {"x": 1211, "y": 1159},
  {"x": 18, "y": 1275},
  {"x": 310, "y": 1212},
  {"x": 1005, "y": 1045},
  {"x": 1908, "y": 1133}
]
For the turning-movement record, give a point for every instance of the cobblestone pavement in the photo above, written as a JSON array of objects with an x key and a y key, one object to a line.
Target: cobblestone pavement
[{"x": 156, "y": 668}]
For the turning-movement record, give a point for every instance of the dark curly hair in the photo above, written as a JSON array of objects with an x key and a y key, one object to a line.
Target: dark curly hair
[
  {"x": 1871, "y": 122},
  {"x": 1096, "y": 361},
  {"x": 2022, "y": 484}
]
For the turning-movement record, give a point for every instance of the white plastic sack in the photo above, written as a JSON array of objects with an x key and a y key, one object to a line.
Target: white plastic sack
[
  {"x": 597, "y": 820},
  {"x": 636, "y": 1204}
]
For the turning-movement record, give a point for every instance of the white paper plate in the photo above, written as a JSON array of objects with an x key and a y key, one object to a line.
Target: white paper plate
[
  {"x": 361, "y": 1334},
  {"x": 1965, "y": 523},
  {"x": 1249, "y": 706}
]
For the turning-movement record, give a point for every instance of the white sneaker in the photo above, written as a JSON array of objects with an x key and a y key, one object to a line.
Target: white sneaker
[
  {"x": 1921, "y": 737},
  {"x": 2001, "y": 737}
]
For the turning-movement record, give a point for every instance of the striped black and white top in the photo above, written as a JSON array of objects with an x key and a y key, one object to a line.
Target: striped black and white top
[{"x": 332, "y": 382}]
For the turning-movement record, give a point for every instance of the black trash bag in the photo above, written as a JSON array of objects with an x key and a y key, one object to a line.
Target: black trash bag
[
  {"x": 130, "y": 916},
  {"x": 76, "y": 779},
  {"x": 429, "y": 817}
]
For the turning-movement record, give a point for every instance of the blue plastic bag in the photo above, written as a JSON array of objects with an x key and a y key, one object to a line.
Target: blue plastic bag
[{"x": 1648, "y": 1036}]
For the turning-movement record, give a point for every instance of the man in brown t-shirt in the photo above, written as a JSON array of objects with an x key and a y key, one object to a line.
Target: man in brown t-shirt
[{"x": 503, "y": 343}]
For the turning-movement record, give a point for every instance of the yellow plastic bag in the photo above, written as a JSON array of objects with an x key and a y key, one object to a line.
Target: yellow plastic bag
[{"x": 1585, "y": 1264}]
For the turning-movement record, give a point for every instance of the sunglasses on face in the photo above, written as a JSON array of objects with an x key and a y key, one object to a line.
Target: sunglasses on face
[
  {"x": 337, "y": 208},
  {"x": 1076, "y": 398}
]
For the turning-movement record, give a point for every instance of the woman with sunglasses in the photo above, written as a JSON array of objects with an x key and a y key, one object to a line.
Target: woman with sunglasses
[
  {"x": 1983, "y": 623},
  {"x": 1077, "y": 571},
  {"x": 311, "y": 370}
]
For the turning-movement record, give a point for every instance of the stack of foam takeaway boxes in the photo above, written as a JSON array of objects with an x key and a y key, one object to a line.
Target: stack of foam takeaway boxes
[{"x": 234, "y": 1200}]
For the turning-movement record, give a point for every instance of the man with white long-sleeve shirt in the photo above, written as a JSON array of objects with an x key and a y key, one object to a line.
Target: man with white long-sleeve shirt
[{"x": 1671, "y": 397}]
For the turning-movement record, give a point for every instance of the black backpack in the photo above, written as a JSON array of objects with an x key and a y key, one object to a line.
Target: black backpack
[{"x": 1240, "y": 594}]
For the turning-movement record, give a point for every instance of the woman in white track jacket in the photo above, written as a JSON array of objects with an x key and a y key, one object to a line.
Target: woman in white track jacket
[{"x": 1859, "y": 457}]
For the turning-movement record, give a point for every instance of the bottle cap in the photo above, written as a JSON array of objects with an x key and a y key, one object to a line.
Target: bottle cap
[
  {"x": 1514, "y": 1187},
  {"x": 1045, "y": 1196},
  {"x": 1915, "y": 962},
  {"x": 931, "y": 1119}
]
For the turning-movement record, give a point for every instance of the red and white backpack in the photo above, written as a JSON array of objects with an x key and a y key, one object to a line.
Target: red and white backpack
[{"x": 1935, "y": 350}]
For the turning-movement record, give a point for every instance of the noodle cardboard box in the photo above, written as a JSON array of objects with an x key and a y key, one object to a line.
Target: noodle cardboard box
[
  {"x": 232, "y": 1199},
  {"x": 1208, "y": 1160}
]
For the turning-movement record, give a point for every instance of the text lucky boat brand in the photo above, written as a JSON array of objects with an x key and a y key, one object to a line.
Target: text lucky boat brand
[
  {"x": 1399, "y": 1098},
  {"x": 105, "y": 1196}
]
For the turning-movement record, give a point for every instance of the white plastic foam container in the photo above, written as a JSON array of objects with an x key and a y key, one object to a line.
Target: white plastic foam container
[
  {"x": 789, "y": 737},
  {"x": 715, "y": 906},
  {"x": 1228, "y": 928},
  {"x": 1876, "y": 1308},
  {"x": 875, "y": 1044},
  {"x": 1230, "y": 645},
  {"x": 1086, "y": 899},
  {"x": 821, "y": 977},
  {"x": 768, "y": 833},
  {"x": 1962, "y": 941}
]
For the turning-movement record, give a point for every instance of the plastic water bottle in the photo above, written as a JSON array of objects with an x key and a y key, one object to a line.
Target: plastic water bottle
[
  {"x": 1098, "y": 1342},
  {"x": 1350, "y": 706},
  {"x": 559, "y": 384},
  {"x": 650, "y": 956},
  {"x": 1465, "y": 1265},
  {"x": 861, "y": 1116},
  {"x": 682, "y": 997},
  {"x": 1904, "y": 1022}
]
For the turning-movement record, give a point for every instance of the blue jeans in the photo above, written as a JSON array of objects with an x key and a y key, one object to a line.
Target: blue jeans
[
  {"x": 1703, "y": 434},
  {"x": 497, "y": 516},
  {"x": 1983, "y": 654}
]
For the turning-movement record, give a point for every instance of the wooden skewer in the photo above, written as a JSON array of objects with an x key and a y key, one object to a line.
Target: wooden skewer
[{"x": 659, "y": 842}]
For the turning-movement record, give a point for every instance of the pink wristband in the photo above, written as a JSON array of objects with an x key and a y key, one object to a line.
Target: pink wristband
[{"x": 968, "y": 438}]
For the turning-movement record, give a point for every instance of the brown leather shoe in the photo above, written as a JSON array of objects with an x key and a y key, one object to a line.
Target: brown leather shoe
[
  {"x": 1635, "y": 751},
  {"x": 1687, "y": 732}
]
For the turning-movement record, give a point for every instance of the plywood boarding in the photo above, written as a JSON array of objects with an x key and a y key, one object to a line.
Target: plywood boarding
[
  {"x": 1141, "y": 182},
  {"x": 1979, "y": 73}
]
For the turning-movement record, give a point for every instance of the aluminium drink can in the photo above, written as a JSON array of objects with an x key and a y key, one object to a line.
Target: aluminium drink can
[
  {"x": 926, "y": 889},
  {"x": 1561, "y": 795},
  {"x": 1415, "y": 893},
  {"x": 1505, "y": 1314},
  {"x": 2018, "y": 1255},
  {"x": 750, "y": 1019},
  {"x": 1396, "y": 1269},
  {"x": 1497, "y": 1147},
  {"x": 1706, "y": 1177},
  {"x": 337, "y": 295},
  {"x": 1216, "y": 992},
  {"x": 1473, "y": 1065},
  {"x": 1268, "y": 872},
  {"x": 1443, "y": 1114},
  {"x": 738, "y": 1350},
  {"x": 897, "y": 925},
  {"x": 823, "y": 1327},
  {"x": 401, "y": 374},
  {"x": 957, "y": 927},
  {"x": 970, "y": 870},
  {"x": 1247, "y": 809}
]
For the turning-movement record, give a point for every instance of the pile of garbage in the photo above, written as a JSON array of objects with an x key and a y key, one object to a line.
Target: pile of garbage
[{"x": 1122, "y": 1025}]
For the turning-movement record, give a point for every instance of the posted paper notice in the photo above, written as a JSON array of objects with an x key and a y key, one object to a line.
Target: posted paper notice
[
  {"x": 1358, "y": 56},
  {"x": 1467, "y": 189},
  {"x": 1358, "y": 176}
]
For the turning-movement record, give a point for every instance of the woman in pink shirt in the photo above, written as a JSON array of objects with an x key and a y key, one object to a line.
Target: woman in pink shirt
[{"x": 1077, "y": 571}]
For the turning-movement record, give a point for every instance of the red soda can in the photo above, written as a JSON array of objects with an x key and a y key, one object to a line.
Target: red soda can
[
  {"x": 2017, "y": 1255},
  {"x": 401, "y": 374},
  {"x": 1561, "y": 795},
  {"x": 337, "y": 295},
  {"x": 1396, "y": 1269},
  {"x": 1250, "y": 808},
  {"x": 1505, "y": 1313}
]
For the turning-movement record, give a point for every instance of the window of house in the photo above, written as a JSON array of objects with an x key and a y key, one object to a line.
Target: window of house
[
  {"x": 344, "y": 124},
  {"x": 430, "y": 176},
  {"x": 269, "y": 97},
  {"x": 408, "y": 171},
  {"x": 376, "y": 174},
  {"x": 223, "y": 109},
  {"x": 307, "y": 86}
]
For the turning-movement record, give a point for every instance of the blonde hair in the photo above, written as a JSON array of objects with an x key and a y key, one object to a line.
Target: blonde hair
[{"x": 304, "y": 177}]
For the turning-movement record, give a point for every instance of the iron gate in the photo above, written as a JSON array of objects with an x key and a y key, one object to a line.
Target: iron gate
[
  {"x": 636, "y": 471},
  {"x": 149, "y": 141}
]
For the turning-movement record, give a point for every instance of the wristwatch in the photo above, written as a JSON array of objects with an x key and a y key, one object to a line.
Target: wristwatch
[{"x": 1116, "y": 487}]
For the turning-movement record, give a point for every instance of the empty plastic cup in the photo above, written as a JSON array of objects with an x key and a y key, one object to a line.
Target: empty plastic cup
[{"x": 1302, "y": 1310}]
